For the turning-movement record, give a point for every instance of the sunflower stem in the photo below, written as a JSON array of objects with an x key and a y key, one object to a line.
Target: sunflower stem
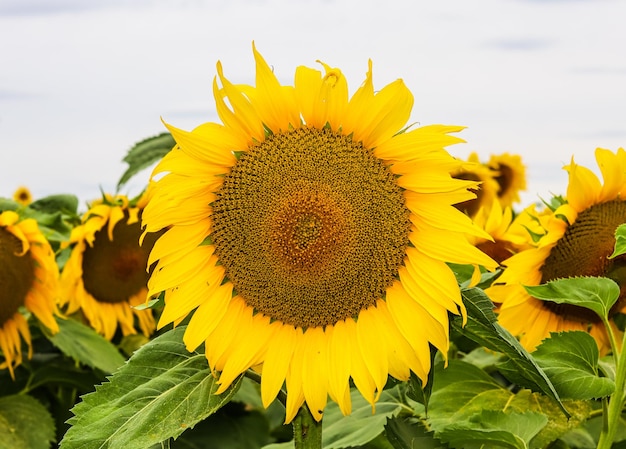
[
  {"x": 307, "y": 432},
  {"x": 616, "y": 401}
]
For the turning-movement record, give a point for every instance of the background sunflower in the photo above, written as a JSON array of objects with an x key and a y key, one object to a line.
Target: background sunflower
[
  {"x": 576, "y": 240},
  {"x": 106, "y": 273},
  {"x": 29, "y": 279}
]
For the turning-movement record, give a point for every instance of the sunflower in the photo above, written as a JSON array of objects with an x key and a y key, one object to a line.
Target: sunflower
[
  {"x": 23, "y": 196},
  {"x": 510, "y": 174},
  {"x": 29, "y": 279},
  {"x": 486, "y": 191},
  {"x": 105, "y": 275},
  {"x": 308, "y": 233},
  {"x": 576, "y": 240},
  {"x": 508, "y": 232}
]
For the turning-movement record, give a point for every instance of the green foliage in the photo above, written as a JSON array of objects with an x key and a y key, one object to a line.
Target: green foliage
[
  {"x": 24, "y": 423},
  {"x": 145, "y": 153},
  {"x": 463, "y": 392},
  {"x": 410, "y": 433},
  {"x": 495, "y": 429},
  {"x": 483, "y": 328},
  {"x": 86, "y": 346},
  {"x": 594, "y": 293},
  {"x": 360, "y": 427},
  {"x": 570, "y": 359},
  {"x": 160, "y": 392}
]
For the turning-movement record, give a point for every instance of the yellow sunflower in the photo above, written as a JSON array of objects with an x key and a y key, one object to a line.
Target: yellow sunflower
[
  {"x": 510, "y": 174},
  {"x": 509, "y": 233},
  {"x": 576, "y": 240},
  {"x": 23, "y": 196},
  {"x": 486, "y": 191},
  {"x": 308, "y": 234},
  {"x": 106, "y": 273},
  {"x": 29, "y": 280}
]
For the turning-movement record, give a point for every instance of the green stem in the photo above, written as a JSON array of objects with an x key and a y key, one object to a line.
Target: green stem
[
  {"x": 616, "y": 401},
  {"x": 307, "y": 432}
]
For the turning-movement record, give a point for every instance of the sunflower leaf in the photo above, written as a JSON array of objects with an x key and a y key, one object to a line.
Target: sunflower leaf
[
  {"x": 409, "y": 433},
  {"x": 145, "y": 153},
  {"x": 495, "y": 429},
  {"x": 463, "y": 391},
  {"x": 86, "y": 346},
  {"x": 162, "y": 390},
  {"x": 594, "y": 293},
  {"x": 570, "y": 359},
  {"x": 25, "y": 423},
  {"x": 620, "y": 241},
  {"x": 483, "y": 328}
]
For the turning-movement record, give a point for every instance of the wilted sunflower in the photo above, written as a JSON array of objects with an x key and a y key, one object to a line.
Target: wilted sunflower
[
  {"x": 309, "y": 233},
  {"x": 510, "y": 174},
  {"x": 577, "y": 239},
  {"x": 105, "y": 275},
  {"x": 29, "y": 280},
  {"x": 486, "y": 192},
  {"x": 23, "y": 196}
]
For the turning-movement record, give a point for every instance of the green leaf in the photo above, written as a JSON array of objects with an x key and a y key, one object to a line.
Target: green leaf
[
  {"x": 570, "y": 359},
  {"x": 620, "y": 241},
  {"x": 160, "y": 392},
  {"x": 65, "y": 203},
  {"x": 227, "y": 429},
  {"x": 363, "y": 424},
  {"x": 145, "y": 153},
  {"x": 463, "y": 391},
  {"x": 495, "y": 429},
  {"x": 86, "y": 346},
  {"x": 595, "y": 293},
  {"x": 483, "y": 328},
  {"x": 408, "y": 433},
  {"x": 25, "y": 423}
]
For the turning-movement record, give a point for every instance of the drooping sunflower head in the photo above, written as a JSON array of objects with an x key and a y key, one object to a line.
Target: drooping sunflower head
[
  {"x": 486, "y": 190},
  {"x": 577, "y": 239},
  {"x": 29, "y": 280},
  {"x": 106, "y": 273},
  {"x": 510, "y": 174},
  {"x": 309, "y": 234},
  {"x": 23, "y": 196}
]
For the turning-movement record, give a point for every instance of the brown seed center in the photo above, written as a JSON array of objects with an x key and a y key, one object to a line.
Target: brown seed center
[
  {"x": 115, "y": 270},
  {"x": 311, "y": 227},
  {"x": 17, "y": 274},
  {"x": 583, "y": 251}
]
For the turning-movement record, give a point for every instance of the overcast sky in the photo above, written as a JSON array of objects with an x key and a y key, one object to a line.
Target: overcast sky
[{"x": 82, "y": 80}]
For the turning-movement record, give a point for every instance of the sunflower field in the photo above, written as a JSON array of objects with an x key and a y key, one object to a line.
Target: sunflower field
[{"x": 315, "y": 271}]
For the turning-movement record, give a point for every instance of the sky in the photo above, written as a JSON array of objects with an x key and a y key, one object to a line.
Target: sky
[{"x": 81, "y": 81}]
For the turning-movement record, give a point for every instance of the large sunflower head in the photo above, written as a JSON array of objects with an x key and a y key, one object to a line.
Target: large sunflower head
[
  {"x": 510, "y": 174},
  {"x": 576, "y": 240},
  {"x": 309, "y": 234},
  {"x": 106, "y": 273},
  {"x": 486, "y": 189},
  {"x": 29, "y": 280}
]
